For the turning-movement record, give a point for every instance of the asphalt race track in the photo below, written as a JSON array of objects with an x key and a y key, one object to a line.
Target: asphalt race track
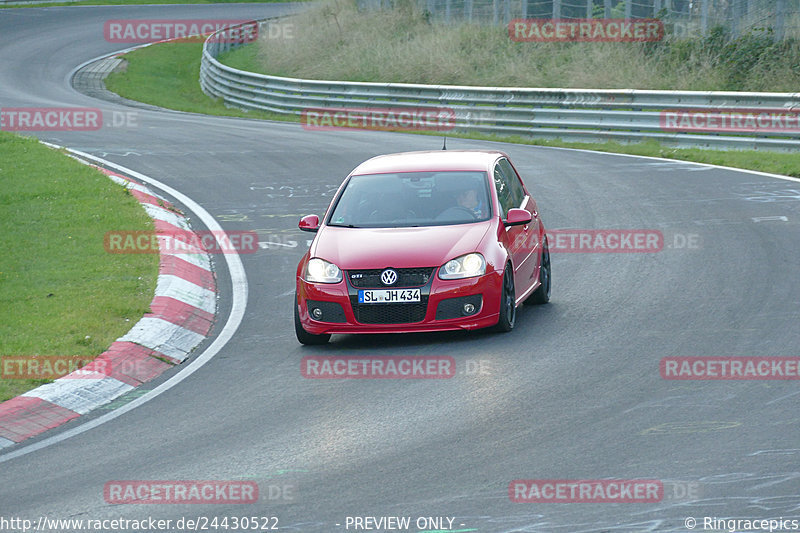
[{"x": 574, "y": 392}]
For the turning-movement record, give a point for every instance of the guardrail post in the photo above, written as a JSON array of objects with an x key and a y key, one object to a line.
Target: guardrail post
[
  {"x": 556, "y": 9},
  {"x": 524, "y": 9},
  {"x": 780, "y": 19},
  {"x": 627, "y": 9},
  {"x": 589, "y": 8},
  {"x": 468, "y": 10},
  {"x": 506, "y": 11},
  {"x": 607, "y": 9},
  {"x": 703, "y": 16}
]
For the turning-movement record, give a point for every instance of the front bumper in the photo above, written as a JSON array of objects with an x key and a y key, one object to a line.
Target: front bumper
[{"x": 441, "y": 308}]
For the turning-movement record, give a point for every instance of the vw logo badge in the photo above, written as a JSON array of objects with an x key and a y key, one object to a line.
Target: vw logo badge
[{"x": 389, "y": 277}]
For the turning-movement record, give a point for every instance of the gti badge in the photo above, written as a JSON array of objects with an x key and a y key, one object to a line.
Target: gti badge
[{"x": 389, "y": 277}]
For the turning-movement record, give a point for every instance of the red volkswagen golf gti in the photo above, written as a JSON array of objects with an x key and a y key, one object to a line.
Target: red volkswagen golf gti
[{"x": 422, "y": 241}]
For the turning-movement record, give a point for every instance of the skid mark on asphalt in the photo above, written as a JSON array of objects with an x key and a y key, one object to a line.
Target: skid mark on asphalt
[
  {"x": 792, "y": 451},
  {"x": 682, "y": 400},
  {"x": 124, "y": 399},
  {"x": 315, "y": 190},
  {"x": 683, "y": 428}
]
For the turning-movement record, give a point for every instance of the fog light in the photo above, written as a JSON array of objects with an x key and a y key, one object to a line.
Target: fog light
[
  {"x": 316, "y": 313},
  {"x": 469, "y": 309}
]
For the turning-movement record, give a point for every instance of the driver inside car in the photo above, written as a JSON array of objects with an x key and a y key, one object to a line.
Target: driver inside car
[{"x": 469, "y": 199}]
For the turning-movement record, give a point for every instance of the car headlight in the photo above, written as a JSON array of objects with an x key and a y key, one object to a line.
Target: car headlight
[
  {"x": 320, "y": 271},
  {"x": 466, "y": 266}
]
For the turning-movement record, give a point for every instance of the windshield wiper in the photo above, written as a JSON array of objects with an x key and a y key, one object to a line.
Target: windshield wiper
[{"x": 343, "y": 225}]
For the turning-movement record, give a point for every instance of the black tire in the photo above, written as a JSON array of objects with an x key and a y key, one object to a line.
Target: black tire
[
  {"x": 542, "y": 294},
  {"x": 302, "y": 335},
  {"x": 508, "y": 306}
]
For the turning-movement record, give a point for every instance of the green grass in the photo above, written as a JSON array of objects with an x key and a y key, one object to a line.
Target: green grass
[
  {"x": 61, "y": 292},
  {"x": 167, "y": 75},
  {"x": 130, "y": 2}
]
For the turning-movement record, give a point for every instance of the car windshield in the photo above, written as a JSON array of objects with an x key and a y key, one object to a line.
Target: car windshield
[{"x": 409, "y": 199}]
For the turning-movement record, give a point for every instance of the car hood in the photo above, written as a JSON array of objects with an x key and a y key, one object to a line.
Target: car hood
[{"x": 368, "y": 248}]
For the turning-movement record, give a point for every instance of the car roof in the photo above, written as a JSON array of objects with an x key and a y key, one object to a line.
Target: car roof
[{"x": 433, "y": 160}]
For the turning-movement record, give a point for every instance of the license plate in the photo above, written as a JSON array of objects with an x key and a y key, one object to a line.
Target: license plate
[{"x": 385, "y": 296}]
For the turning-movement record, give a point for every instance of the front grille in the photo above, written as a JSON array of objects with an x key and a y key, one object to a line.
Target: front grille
[
  {"x": 406, "y": 277},
  {"x": 389, "y": 313}
]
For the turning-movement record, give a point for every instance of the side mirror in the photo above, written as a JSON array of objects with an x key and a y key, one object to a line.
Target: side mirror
[
  {"x": 517, "y": 217},
  {"x": 309, "y": 223}
]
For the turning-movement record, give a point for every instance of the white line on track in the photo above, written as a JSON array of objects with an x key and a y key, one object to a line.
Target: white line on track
[
  {"x": 239, "y": 303},
  {"x": 685, "y": 162}
]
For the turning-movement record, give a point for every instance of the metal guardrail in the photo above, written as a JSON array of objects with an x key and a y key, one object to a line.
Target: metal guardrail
[{"x": 569, "y": 114}]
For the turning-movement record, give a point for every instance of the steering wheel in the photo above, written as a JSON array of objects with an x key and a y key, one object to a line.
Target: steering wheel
[
  {"x": 455, "y": 212},
  {"x": 408, "y": 214}
]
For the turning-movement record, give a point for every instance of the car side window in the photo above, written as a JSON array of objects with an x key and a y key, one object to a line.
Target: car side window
[
  {"x": 504, "y": 194},
  {"x": 514, "y": 183}
]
